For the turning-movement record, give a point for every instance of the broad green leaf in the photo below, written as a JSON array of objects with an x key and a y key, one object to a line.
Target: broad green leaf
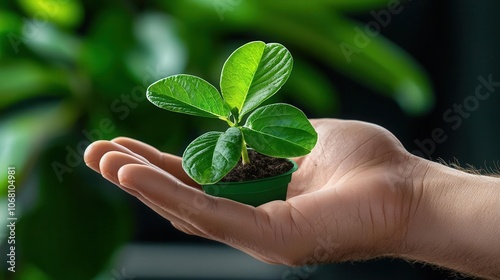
[
  {"x": 279, "y": 130},
  {"x": 211, "y": 156},
  {"x": 189, "y": 95},
  {"x": 253, "y": 73}
]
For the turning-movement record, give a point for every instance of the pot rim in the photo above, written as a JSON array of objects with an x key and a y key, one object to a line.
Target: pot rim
[{"x": 294, "y": 168}]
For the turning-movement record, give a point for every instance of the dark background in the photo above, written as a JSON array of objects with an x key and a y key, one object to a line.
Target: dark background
[{"x": 72, "y": 72}]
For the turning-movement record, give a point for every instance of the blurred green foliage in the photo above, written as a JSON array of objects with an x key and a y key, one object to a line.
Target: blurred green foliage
[{"x": 72, "y": 72}]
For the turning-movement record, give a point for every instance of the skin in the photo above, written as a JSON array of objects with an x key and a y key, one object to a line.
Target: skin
[{"x": 358, "y": 195}]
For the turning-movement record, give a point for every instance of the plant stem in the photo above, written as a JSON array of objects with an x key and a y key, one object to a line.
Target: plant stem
[
  {"x": 230, "y": 123},
  {"x": 244, "y": 154}
]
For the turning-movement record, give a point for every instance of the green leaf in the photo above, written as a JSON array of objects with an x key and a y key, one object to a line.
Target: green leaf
[
  {"x": 158, "y": 44},
  {"x": 312, "y": 89},
  {"x": 279, "y": 130},
  {"x": 211, "y": 156},
  {"x": 253, "y": 73},
  {"x": 25, "y": 79},
  {"x": 63, "y": 13},
  {"x": 9, "y": 22},
  {"x": 24, "y": 133},
  {"x": 54, "y": 44},
  {"x": 371, "y": 60},
  {"x": 318, "y": 6},
  {"x": 382, "y": 65},
  {"x": 189, "y": 95}
]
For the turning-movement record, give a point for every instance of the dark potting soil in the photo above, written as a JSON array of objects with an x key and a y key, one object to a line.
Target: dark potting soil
[{"x": 260, "y": 167}]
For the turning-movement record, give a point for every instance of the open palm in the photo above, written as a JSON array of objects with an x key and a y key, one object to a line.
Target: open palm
[{"x": 350, "y": 198}]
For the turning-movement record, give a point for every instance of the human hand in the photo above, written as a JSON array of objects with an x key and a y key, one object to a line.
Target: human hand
[{"x": 351, "y": 198}]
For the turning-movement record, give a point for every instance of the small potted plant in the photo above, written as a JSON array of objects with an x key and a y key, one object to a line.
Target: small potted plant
[{"x": 224, "y": 163}]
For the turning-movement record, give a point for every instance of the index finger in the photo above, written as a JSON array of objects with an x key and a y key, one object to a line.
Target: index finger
[{"x": 168, "y": 162}]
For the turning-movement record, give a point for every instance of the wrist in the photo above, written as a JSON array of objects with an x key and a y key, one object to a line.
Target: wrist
[{"x": 456, "y": 222}]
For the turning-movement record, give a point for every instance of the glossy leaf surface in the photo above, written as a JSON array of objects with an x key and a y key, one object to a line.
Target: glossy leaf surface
[
  {"x": 211, "y": 156},
  {"x": 279, "y": 130},
  {"x": 253, "y": 73},
  {"x": 189, "y": 95}
]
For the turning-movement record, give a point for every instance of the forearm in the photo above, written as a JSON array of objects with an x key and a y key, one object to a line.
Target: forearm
[{"x": 457, "y": 224}]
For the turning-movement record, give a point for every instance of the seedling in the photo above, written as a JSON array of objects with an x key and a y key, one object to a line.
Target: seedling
[{"x": 251, "y": 74}]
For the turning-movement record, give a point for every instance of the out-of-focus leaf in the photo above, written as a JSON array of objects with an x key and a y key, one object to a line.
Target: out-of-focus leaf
[
  {"x": 8, "y": 22},
  {"x": 160, "y": 51},
  {"x": 220, "y": 10},
  {"x": 31, "y": 272},
  {"x": 298, "y": 6},
  {"x": 385, "y": 66},
  {"x": 378, "y": 63},
  {"x": 10, "y": 28},
  {"x": 48, "y": 41},
  {"x": 96, "y": 58},
  {"x": 25, "y": 79},
  {"x": 75, "y": 228},
  {"x": 68, "y": 13},
  {"x": 23, "y": 134},
  {"x": 103, "y": 53},
  {"x": 311, "y": 89},
  {"x": 216, "y": 14}
]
